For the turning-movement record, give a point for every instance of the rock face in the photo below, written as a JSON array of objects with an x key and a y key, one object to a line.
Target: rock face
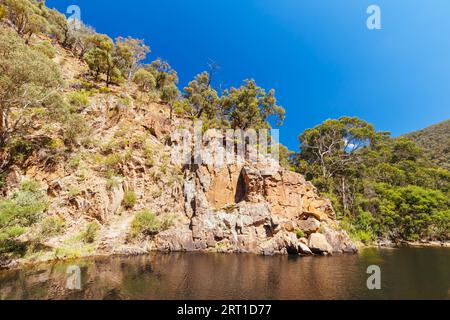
[{"x": 254, "y": 210}]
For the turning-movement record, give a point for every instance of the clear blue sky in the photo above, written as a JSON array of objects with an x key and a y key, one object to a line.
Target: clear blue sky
[{"x": 318, "y": 54}]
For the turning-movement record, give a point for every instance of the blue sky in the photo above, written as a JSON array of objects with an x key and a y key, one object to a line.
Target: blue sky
[{"x": 318, "y": 55}]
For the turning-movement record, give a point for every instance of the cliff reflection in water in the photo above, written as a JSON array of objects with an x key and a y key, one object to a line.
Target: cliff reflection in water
[{"x": 406, "y": 273}]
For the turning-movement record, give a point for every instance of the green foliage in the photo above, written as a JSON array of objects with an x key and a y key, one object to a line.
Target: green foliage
[
  {"x": 300, "y": 234},
  {"x": 52, "y": 226},
  {"x": 20, "y": 150},
  {"x": 145, "y": 80},
  {"x": 435, "y": 140},
  {"x": 201, "y": 98},
  {"x": 170, "y": 93},
  {"x": 128, "y": 53},
  {"x": 100, "y": 57},
  {"x": 250, "y": 107},
  {"x": 46, "y": 48},
  {"x": 382, "y": 187},
  {"x": 79, "y": 99},
  {"x": 112, "y": 162},
  {"x": 90, "y": 232},
  {"x": 163, "y": 73},
  {"x": 74, "y": 162},
  {"x": 75, "y": 128},
  {"x": 148, "y": 224},
  {"x": 115, "y": 60},
  {"x": 246, "y": 107},
  {"x": 2, "y": 12},
  {"x": 413, "y": 212},
  {"x": 129, "y": 199},
  {"x": 29, "y": 84},
  {"x": 58, "y": 26},
  {"x": 26, "y": 17},
  {"x": 18, "y": 213},
  {"x": 82, "y": 38}
]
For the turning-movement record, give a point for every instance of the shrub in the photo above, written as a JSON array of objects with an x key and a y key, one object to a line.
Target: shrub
[
  {"x": 30, "y": 83},
  {"x": 148, "y": 224},
  {"x": 52, "y": 226},
  {"x": 56, "y": 144},
  {"x": 112, "y": 181},
  {"x": 74, "y": 191},
  {"x": 20, "y": 150},
  {"x": 167, "y": 222},
  {"x": 90, "y": 233},
  {"x": 148, "y": 153},
  {"x": 129, "y": 199},
  {"x": 75, "y": 128},
  {"x": 79, "y": 99},
  {"x": 2, "y": 12},
  {"x": 19, "y": 212},
  {"x": 145, "y": 80},
  {"x": 112, "y": 162},
  {"x": 24, "y": 207},
  {"x": 46, "y": 48},
  {"x": 74, "y": 162},
  {"x": 300, "y": 234}
]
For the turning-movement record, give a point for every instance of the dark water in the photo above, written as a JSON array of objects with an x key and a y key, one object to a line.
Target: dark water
[{"x": 405, "y": 274}]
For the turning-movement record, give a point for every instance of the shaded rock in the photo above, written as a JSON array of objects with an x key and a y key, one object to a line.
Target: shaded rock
[
  {"x": 304, "y": 249},
  {"x": 339, "y": 241},
  {"x": 318, "y": 244},
  {"x": 311, "y": 225},
  {"x": 176, "y": 239}
]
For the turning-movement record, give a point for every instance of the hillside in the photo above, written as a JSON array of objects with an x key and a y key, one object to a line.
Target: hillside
[
  {"x": 435, "y": 140},
  {"x": 87, "y": 138}
]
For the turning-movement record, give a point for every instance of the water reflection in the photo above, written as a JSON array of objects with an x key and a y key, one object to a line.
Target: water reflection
[{"x": 406, "y": 274}]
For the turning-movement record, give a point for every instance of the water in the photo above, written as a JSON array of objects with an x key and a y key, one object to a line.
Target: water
[{"x": 406, "y": 274}]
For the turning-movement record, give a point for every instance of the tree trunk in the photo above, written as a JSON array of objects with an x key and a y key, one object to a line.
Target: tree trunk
[{"x": 344, "y": 194}]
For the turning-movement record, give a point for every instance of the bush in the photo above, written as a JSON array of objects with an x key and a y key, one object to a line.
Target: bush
[
  {"x": 148, "y": 224},
  {"x": 112, "y": 162},
  {"x": 19, "y": 212},
  {"x": 129, "y": 199},
  {"x": 90, "y": 233},
  {"x": 79, "y": 99},
  {"x": 300, "y": 234},
  {"x": 2, "y": 12},
  {"x": 75, "y": 161},
  {"x": 75, "y": 128},
  {"x": 20, "y": 150},
  {"x": 52, "y": 226},
  {"x": 46, "y": 48},
  {"x": 145, "y": 80}
]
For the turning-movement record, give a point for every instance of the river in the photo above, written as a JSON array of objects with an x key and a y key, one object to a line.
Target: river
[{"x": 406, "y": 273}]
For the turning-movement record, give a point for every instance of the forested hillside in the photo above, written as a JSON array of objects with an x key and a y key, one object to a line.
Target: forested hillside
[
  {"x": 435, "y": 140},
  {"x": 382, "y": 187}
]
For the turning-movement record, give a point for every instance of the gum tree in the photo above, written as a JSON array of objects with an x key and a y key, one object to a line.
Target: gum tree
[{"x": 29, "y": 81}]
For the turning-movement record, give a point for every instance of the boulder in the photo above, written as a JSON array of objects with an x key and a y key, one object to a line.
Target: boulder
[
  {"x": 310, "y": 225},
  {"x": 304, "y": 249},
  {"x": 339, "y": 241},
  {"x": 318, "y": 244},
  {"x": 176, "y": 239}
]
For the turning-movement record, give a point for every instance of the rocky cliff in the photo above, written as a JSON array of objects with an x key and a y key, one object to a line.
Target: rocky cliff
[
  {"x": 259, "y": 209},
  {"x": 237, "y": 208}
]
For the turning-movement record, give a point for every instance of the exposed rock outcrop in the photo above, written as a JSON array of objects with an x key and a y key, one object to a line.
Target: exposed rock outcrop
[{"x": 256, "y": 209}]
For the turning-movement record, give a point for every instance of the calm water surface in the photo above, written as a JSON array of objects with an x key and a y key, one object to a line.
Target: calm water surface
[{"x": 406, "y": 274}]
